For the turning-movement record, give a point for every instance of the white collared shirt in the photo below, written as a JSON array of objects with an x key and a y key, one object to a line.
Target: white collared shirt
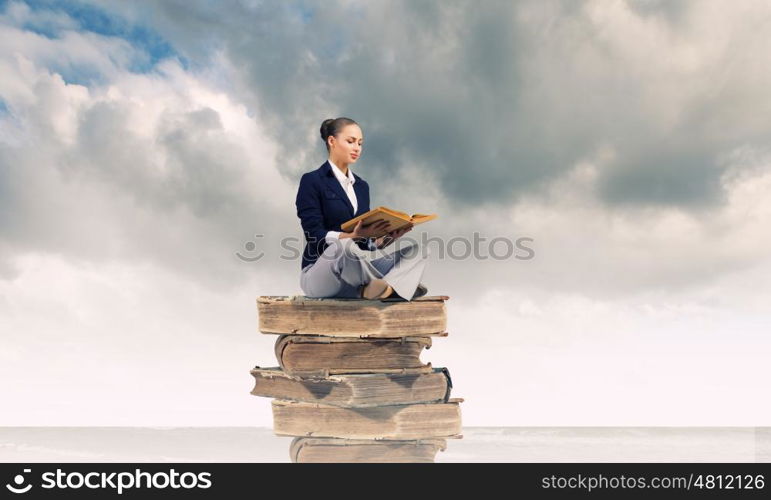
[{"x": 346, "y": 181}]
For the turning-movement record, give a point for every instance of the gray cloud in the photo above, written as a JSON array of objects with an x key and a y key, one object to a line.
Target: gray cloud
[
  {"x": 142, "y": 170},
  {"x": 498, "y": 100}
]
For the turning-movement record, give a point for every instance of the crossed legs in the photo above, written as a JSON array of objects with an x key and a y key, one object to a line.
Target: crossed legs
[{"x": 343, "y": 268}]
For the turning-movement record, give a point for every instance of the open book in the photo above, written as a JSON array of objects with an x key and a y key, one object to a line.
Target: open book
[{"x": 395, "y": 219}]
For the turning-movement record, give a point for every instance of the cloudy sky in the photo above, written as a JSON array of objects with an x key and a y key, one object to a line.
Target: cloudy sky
[{"x": 144, "y": 144}]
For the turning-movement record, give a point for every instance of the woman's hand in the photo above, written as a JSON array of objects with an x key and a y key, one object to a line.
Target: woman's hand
[
  {"x": 368, "y": 231},
  {"x": 389, "y": 238}
]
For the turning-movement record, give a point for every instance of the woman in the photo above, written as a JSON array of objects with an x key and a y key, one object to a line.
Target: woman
[{"x": 340, "y": 264}]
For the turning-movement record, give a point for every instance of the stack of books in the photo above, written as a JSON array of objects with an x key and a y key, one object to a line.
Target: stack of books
[{"x": 350, "y": 385}]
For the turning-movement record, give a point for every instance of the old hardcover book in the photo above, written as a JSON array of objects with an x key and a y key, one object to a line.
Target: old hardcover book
[
  {"x": 357, "y": 391},
  {"x": 395, "y": 218},
  {"x": 414, "y": 421},
  {"x": 386, "y": 318},
  {"x": 308, "y": 355},
  {"x": 332, "y": 450}
]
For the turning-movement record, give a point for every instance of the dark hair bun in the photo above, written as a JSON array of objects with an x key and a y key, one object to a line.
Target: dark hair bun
[{"x": 326, "y": 129}]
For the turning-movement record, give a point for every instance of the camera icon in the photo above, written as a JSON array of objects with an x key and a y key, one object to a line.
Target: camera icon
[{"x": 18, "y": 481}]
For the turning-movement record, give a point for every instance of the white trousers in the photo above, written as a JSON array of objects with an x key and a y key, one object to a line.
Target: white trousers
[{"x": 343, "y": 268}]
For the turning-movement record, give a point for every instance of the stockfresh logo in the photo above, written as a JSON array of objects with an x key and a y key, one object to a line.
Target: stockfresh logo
[{"x": 17, "y": 484}]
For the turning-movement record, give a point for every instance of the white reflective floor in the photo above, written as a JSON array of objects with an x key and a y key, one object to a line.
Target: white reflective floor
[{"x": 479, "y": 444}]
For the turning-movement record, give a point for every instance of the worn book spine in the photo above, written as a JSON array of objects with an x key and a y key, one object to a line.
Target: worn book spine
[
  {"x": 424, "y": 316},
  {"x": 306, "y": 355},
  {"x": 334, "y": 450},
  {"x": 357, "y": 391},
  {"x": 415, "y": 421}
]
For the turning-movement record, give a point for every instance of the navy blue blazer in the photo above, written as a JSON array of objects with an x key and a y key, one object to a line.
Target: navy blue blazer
[{"x": 323, "y": 205}]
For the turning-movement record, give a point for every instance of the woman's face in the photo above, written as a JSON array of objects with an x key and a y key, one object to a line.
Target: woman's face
[{"x": 346, "y": 146}]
